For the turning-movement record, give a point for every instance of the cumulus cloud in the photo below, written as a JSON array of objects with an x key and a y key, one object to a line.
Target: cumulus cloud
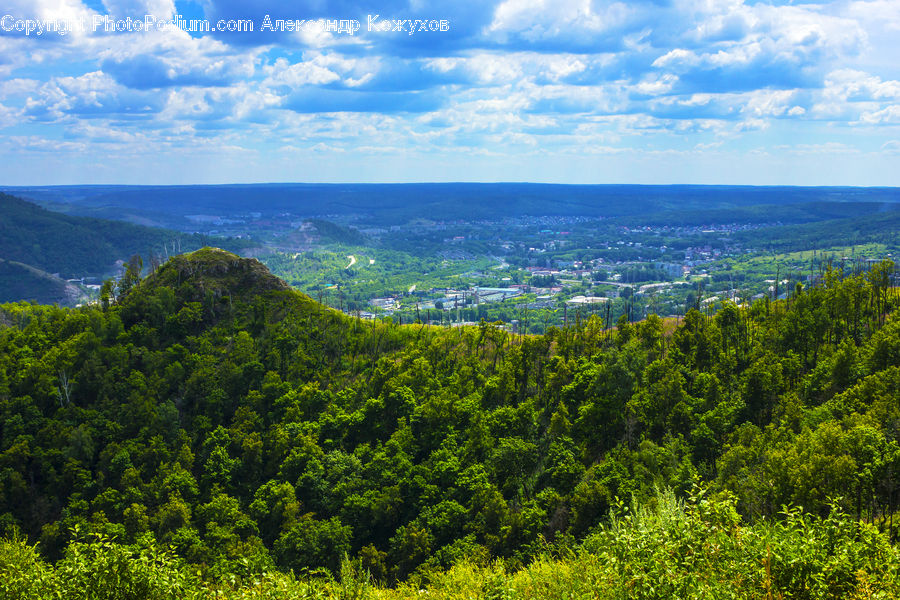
[
  {"x": 8, "y": 116},
  {"x": 875, "y": 14},
  {"x": 562, "y": 24},
  {"x": 889, "y": 114},
  {"x": 120, "y": 9},
  {"x": 777, "y": 46},
  {"x": 853, "y": 86},
  {"x": 529, "y": 76},
  {"x": 92, "y": 95},
  {"x": 166, "y": 59}
]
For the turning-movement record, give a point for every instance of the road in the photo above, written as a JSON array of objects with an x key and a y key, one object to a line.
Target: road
[{"x": 352, "y": 261}]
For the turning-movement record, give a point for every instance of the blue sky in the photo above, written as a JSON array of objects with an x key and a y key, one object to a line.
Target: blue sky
[{"x": 569, "y": 91}]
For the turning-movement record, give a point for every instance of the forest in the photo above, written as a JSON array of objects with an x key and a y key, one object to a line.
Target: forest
[
  {"x": 205, "y": 430},
  {"x": 392, "y": 204},
  {"x": 78, "y": 246}
]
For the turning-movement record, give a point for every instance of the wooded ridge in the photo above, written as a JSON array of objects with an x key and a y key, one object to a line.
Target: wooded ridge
[{"x": 209, "y": 409}]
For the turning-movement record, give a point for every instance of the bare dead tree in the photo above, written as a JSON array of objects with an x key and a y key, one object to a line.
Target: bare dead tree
[{"x": 64, "y": 391}]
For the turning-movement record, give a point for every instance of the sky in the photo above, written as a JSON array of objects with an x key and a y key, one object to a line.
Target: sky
[{"x": 564, "y": 91}]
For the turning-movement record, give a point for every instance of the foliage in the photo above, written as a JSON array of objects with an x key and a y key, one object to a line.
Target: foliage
[
  {"x": 667, "y": 548},
  {"x": 81, "y": 246},
  {"x": 210, "y": 420}
]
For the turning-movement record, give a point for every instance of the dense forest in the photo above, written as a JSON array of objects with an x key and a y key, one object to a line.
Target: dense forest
[
  {"x": 879, "y": 227},
  {"x": 207, "y": 428}
]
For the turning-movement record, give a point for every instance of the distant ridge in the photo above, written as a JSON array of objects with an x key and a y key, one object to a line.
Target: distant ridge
[{"x": 398, "y": 203}]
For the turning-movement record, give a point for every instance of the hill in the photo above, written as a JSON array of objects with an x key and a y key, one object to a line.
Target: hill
[
  {"x": 330, "y": 232},
  {"x": 882, "y": 226},
  {"x": 22, "y": 282},
  {"x": 210, "y": 409},
  {"x": 74, "y": 247},
  {"x": 213, "y": 270}
]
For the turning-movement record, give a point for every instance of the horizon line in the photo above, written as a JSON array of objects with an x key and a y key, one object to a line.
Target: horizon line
[{"x": 401, "y": 183}]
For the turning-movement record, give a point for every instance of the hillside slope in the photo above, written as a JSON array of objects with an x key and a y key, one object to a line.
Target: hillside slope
[
  {"x": 79, "y": 246},
  {"x": 23, "y": 282},
  {"x": 39, "y": 249},
  {"x": 881, "y": 226},
  {"x": 212, "y": 409}
]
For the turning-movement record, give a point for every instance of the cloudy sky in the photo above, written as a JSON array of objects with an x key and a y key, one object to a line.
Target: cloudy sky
[{"x": 571, "y": 91}]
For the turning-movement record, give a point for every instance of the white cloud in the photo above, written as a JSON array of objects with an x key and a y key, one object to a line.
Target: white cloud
[
  {"x": 877, "y": 14},
  {"x": 771, "y": 103},
  {"x": 851, "y": 95},
  {"x": 542, "y": 20},
  {"x": 63, "y": 10},
  {"x": 101, "y": 134},
  {"x": 312, "y": 72},
  {"x": 736, "y": 44},
  {"x": 676, "y": 58},
  {"x": 33, "y": 143},
  {"x": 889, "y": 114},
  {"x": 92, "y": 95},
  {"x": 494, "y": 68},
  {"x": 854, "y": 85},
  {"x": 120, "y": 9},
  {"x": 318, "y": 68},
  {"x": 541, "y": 75},
  {"x": 497, "y": 70},
  {"x": 165, "y": 58},
  {"x": 824, "y": 148},
  {"x": 9, "y": 116},
  {"x": 15, "y": 87},
  {"x": 655, "y": 85}
]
